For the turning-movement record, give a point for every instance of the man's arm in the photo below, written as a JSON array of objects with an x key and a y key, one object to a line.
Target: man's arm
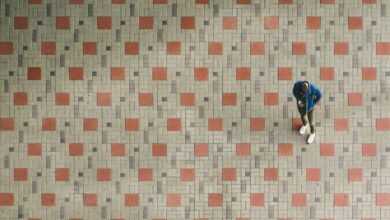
[{"x": 317, "y": 95}]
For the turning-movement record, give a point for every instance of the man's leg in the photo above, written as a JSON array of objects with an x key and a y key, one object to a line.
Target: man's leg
[
  {"x": 310, "y": 117},
  {"x": 312, "y": 135},
  {"x": 303, "y": 129}
]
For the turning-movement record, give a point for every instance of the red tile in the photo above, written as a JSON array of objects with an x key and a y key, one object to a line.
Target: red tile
[
  {"x": 187, "y": 22},
  {"x": 20, "y": 98},
  {"x": 117, "y": 73},
  {"x": 20, "y": 22},
  {"x": 257, "y": 48},
  {"x": 313, "y": 174},
  {"x": 20, "y": 174},
  {"x": 118, "y": 2},
  {"x": 341, "y": 48},
  {"x": 173, "y": 124},
  {"x": 33, "y": 2},
  {"x": 34, "y": 149},
  {"x": 243, "y": 149},
  {"x": 271, "y": 22},
  {"x": 285, "y": 149},
  {"x": 368, "y": 73},
  {"x": 229, "y": 22},
  {"x": 131, "y": 48},
  {"x": 382, "y": 199},
  {"x": 132, "y": 124},
  {"x": 341, "y": 199},
  {"x": 187, "y": 99},
  {"x": 49, "y": 124},
  {"x": 382, "y": 48},
  {"x": 298, "y": 200},
  {"x": 355, "y": 99},
  {"x": 159, "y": 150},
  {"x": 327, "y": 1},
  {"x": 90, "y": 199},
  {"x": 173, "y": 200},
  {"x": 243, "y": 2},
  {"x": 103, "y": 99},
  {"x": 243, "y": 73},
  {"x": 285, "y": 73},
  {"x": 89, "y": 48},
  {"x": 201, "y": 2},
  {"x": 62, "y": 174},
  {"x": 201, "y": 150},
  {"x": 313, "y": 22},
  {"x": 131, "y": 199},
  {"x": 296, "y": 123},
  {"x": 62, "y": 98},
  {"x": 145, "y": 174},
  {"x": 145, "y": 99},
  {"x": 48, "y": 199},
  {"x": 6, "y": 199},
  {"x": 382, "y": 124},
  {"x": 326, "y": 150},
  {"x": 145, "y": 22},
  {"x": 257, "y": 199},
  {"x": 355, "y": 23},
  {"x": 76, "y": 149},
  {"x": 103, "y": 174},
  {"x": 63, "y": 22},
  {"x": 201, "y": 73},
  {"x": 90, "y": 124},
  {"x": 117, "y": 150},
  {"x": 281, "y": 2},
  {"x": 299, "y": 48},
  {"x": 327, "y": 73},
  {"x": 369, "y": 150},
  {"x": 187, "y": 174},
  {"x": 159, "y": 73},
  {"x": 6, "y": 48},
  {"x": 215, "y": 199},
  {"x": 355, "y": 174},
  {"x": 34, "y": 73},
  {"x": 76, "y": 73},
  {"x": 270, "y": 174},
  {"x": 76, "y": 2},
  {"x": 229, "y": 174},
  {"x": 48, "y": 48},
  {"x": 369, "y": 1},
  {"x": 215, "y": 124},
  {"x": 229, "y": 99},
  {"x": 257, "y": 124},
  {"x": 7, "y": 124},
  {"x": 160, "y": 1},
  {"x": 341, "y": 124},
  {"x": 104, "y": 22},
  {"x": 271, "y": 98},
  {"x": 173, "y": 48},
  {"x": 215, "y": 48}
]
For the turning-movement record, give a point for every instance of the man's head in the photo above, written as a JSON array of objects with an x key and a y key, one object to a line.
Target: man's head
[{"x": 305, "y": 87}]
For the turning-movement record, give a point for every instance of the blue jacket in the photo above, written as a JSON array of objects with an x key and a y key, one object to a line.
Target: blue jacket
[{"x": 310, "y": 98}]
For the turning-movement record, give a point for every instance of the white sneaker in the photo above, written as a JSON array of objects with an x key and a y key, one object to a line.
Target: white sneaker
[
  {"x": 311, "y": 137},
  {"x": 302, "y": 130}
]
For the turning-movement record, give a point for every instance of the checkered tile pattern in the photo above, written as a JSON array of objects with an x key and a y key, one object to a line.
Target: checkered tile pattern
[{"x": 183, "y": 109}]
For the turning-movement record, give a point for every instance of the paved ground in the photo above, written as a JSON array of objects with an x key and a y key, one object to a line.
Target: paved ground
[{"x": 173, "y": 109}]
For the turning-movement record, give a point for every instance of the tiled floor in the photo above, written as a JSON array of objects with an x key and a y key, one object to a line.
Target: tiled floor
[{"x": 183, "y": 109}]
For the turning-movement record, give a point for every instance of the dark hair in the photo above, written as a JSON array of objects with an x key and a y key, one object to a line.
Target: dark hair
[{"x": 304, "y": 88}]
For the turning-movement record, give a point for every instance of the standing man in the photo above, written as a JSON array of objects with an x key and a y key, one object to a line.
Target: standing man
[{"x": 307, "y": 95}]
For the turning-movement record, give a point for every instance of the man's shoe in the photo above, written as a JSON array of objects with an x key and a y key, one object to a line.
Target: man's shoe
[
  {"x": 303, "y": 129},
  {"x": 311, "y": 137}
]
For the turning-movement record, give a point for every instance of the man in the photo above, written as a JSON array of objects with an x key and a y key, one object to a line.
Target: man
[{"x": 307, "y": 95}]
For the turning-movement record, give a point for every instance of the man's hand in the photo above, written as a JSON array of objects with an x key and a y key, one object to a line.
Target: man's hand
[{"x": 301, "y": 104}]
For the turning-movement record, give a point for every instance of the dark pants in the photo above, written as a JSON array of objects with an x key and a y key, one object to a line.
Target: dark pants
[{"x": 302, "y": 112}]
